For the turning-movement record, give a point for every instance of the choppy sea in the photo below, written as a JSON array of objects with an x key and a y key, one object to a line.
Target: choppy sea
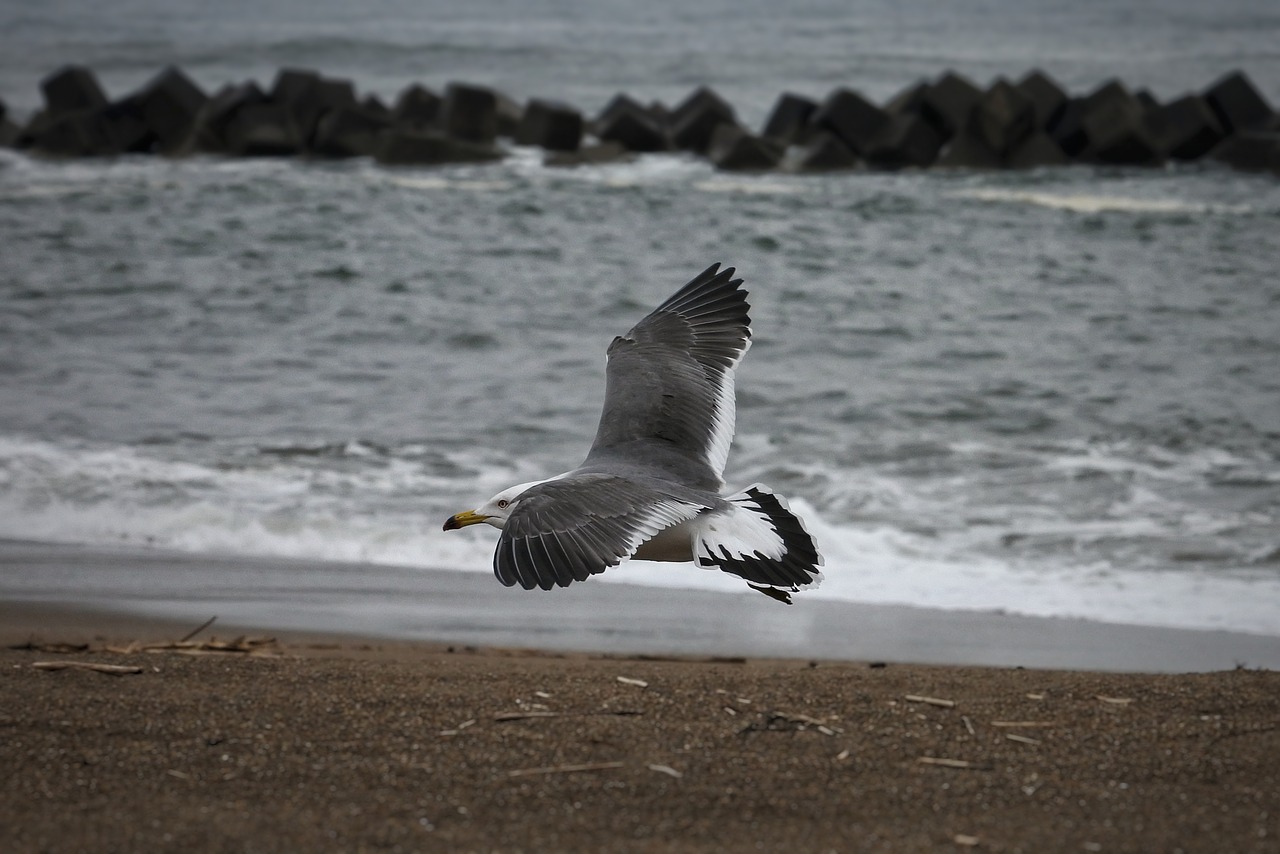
[{"x": 1052, "y": 393}]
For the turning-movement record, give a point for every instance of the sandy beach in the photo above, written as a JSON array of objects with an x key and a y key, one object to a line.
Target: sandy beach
[{"x": 224, "y": 742}]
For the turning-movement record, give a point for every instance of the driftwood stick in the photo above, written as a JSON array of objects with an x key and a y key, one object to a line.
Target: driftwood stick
[
  {"x": 109, "y": 669},
  {"x": 206, "y": 624},
  {"x": 521, "y": 716},
  {"x": 502, "y": 717},
  {"x": 566, "y": 769},
  {"x": 946, "y": 763}
]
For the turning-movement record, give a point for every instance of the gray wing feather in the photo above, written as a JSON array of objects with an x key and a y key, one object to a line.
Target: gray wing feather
[
  {"x": 670, "y": 379},
  {"x": 568, "y": 529}
]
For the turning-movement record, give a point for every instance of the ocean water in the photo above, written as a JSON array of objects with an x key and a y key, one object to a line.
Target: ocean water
[{"x": 1051, "y": 393}]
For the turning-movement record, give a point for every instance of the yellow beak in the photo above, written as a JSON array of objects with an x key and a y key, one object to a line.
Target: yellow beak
[{"x": 463, "y": 519}]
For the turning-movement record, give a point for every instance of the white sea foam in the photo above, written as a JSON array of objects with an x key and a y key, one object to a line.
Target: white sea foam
[
  {"x": 431, "y": 182},
  {"x": 757, "y": 187},
  {"x": 391, "y": 513},
  {"x": 643, "y": 170},
  {"x": 1097, "y": 203}
]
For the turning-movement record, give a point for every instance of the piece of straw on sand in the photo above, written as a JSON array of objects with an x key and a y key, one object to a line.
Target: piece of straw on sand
[
  {"x": 945, "y": 762},
  {"x": 109, "y": 669},
  {"x": 565, "y": 769}
]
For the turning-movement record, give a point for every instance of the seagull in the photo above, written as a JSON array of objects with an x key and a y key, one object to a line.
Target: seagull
[{"x": 651, "y": 485}]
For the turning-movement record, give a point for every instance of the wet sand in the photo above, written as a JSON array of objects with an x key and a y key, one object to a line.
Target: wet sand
[
  {"x": 317, "y": 742},
  {"x": 411, "y": 603}
]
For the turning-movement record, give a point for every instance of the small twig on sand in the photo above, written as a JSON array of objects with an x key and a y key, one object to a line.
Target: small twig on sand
[
  {"x": 932, "y": 701},
  {"x": 666, "y": 769},
  {"x": 502, "y": 717},
  {"x": 206, "y": 624},
  {"x": 33, "y": 646},
  {"x": 520, "y": 716},
  {"x": 946, "y": 763},
  {"x": 189, "y": 647},
  {"x": 566, "y": 769},
  {"x": 109, "y": 669}
]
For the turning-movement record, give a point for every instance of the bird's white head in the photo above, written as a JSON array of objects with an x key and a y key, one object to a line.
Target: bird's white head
[{"x": 494, "y": 512}]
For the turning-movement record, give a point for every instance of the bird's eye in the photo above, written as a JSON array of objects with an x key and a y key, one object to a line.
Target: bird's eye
[{"x": 503, "y": 503}]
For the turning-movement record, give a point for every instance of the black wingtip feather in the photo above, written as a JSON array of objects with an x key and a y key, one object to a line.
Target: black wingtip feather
[
  {"x": 798, "y": 566},
  {"x": 710, "y": 285}
]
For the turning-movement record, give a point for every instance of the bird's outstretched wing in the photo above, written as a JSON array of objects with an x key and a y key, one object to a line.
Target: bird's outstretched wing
[
  {"x": 567, "y": 529},
  {"x": 671, "y": 377}
]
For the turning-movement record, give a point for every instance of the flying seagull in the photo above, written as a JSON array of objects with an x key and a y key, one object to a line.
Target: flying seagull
[{"x": 651, "y": 485}]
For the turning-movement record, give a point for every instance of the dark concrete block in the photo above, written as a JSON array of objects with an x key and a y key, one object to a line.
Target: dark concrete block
[
  {"x": 1048, "y": 99},
  {"x": 906, "y": 141},
  {"x": 622, "y": 102},
  {"x": 308, "y": 96},
  {"x": 661, "y": 113},
  {"x": 789, "y": 121},
  {"x": 947, "y": 102},
  {"x": 27, "y": 132},
  {"x": 588, "y": 155},
  {"x": 1237, "y": 103},
  {"x": 552, "y": 125},
  {"x": 1037, "y": 150},
  {"x": 470, "y": 113},
  {"x": 169, "y": 104},
  {"x": 81, "y": 134},
  {"x": 209, "y": 133},
  {"x": 417, "y": 106},
  {"x": 733, "y": 149},
  {"x": 9, "y": 129},
  {"x": 1186, "y": 128},
  {"x": 400, "y": 147},
  {"x": 324, "y": 95},
  {"x": 967, "y": 150},
  {"x": 1003, "y": 117},
  {"x": 510, "y": 114},
  {"x": 825, "y": 152},
  {"x": 1068, "y": 130},
  {"x": 264, "y": 129},
  {"x": 1113, "y": 121},
  {"x": 332, "y": 93},
  {"x": 1111, "y": 93},
  {"x": 72, "y": 89},
  {"x": 693, "y": 122},
  {"x": 9, "y": 133},
  {"x": 1250, "y": 151},
  {"x": 851, "y": 117},
  {"x": 1121, "y": 139},
  {"x": 631, "y": 125},
  {"x": 374, "y": 106},
  {"x": 291, "y": 83},
  {"x": 348, "y": 132},
  {"x": 127, "y": 126},
  {"x": 908, "y": 101}
]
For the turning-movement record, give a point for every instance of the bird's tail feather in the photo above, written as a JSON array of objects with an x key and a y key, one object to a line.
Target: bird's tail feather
[{"x": 761, "y": 541}]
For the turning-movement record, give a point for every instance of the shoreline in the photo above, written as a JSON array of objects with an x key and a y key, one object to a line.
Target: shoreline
[{"x": 69, "y": 586}]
